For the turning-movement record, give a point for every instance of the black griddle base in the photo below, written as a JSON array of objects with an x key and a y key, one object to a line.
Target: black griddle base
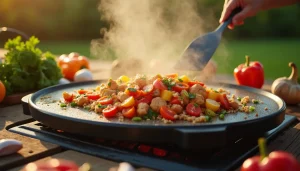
[{"x": 164, "y": 157}]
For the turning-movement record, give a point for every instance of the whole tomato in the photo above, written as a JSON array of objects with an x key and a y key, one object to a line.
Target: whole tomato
[
  {"x": 72, "y": 63},
  {"x": 275, "y": 161}
]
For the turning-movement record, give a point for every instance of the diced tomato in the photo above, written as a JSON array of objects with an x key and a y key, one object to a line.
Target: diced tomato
[
  {"x": 193, "y": 109},
  {"x": 148, "y": 88},
  {"x": 175, "y": 100},
  {"x": 93, "y": 96},
  {"x": 68, "y": 97},
  {"x": 175, "y": 75},
  {"x": 191, "y": 83},
  {"x": 129, "y": 112},
  {"x": 145, "y": 99},
  {"x": 224, "y": 101},
  {"x": 133, "y": 92},
  {"x": 105, "y": 100},
  {"x": 158, "y": 84},
  {"x": 81, "y": 91},
  {"x": 181, "y": 86},
  {"x": 110, "y": 111},
  {"x": 129, "y": 102},
  {"x": 167, "y": 113}
]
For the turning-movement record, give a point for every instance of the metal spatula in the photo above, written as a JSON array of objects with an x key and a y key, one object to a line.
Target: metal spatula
[{"x": 199, "y": 52}]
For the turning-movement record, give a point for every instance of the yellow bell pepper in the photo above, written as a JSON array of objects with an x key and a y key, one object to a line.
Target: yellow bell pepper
[
  {"x": 184, "y": 78},
  {"x": 128, "y": 102},
  {"x": 166, "y": 95},
  {"x": 212, "y": 105},
  {"x": 123, "y": 79},
  {"x": 213, "y": 95}
]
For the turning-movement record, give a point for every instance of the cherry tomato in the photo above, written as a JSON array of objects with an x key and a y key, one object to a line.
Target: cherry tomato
[
  {"x": 105, "y": 100},
  {"x": 193, "y": 109},
  {"x": 2, "y": 91},
  {"x": 251, "y": 164},
  {"x": 93, "y": 96},
  {"x": 133, "y": 92},
  {"x": 145, "y": 99},
  {"x": 167, "y": 113},
  {"x": 191, "y": 83},
  {"x": 52, "y": 165},
  {"x": 68, "y": 97},
  {"x": 148, "y": 88},
  {"x": 158, "y": 84},
  {"x": 224, "y": 101},
  {"x": 175, "y": 100},
  {"x": 129, "y": 112},
  {"x": 181, "y": 86},
  {"x": 81, "y": 91},
  {"x": 110, "y": 111}
]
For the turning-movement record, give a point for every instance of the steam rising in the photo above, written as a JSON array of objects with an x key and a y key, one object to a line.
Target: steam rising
[{"x": 154, "y": 31}]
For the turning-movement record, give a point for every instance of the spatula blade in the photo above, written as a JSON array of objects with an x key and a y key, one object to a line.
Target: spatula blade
[{"x": 199, "y": 52}]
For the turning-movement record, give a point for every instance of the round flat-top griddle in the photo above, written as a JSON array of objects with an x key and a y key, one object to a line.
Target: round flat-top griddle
[{"x": 45, "y": 107}]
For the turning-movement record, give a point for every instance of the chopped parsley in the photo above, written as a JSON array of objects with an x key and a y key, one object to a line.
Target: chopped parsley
[
  {"x": 251, "y": 108},
  {"x": 185, "y": 93},
  {"x": 192, "y": 96},
  {"x": 207, "y": 118},
  {"x": 196, "y": 105},
  {"x": 150, "y": 115},
  {"x": 222, "y": 116},
  {"x": 87, "y": 107},
  {"x": 180, "y": 80},
  {"x": 255, "y": 101},
  {"x": 102, "y": 106},
  {"x": 73, "y": 104},
  {"x": 239, "y": 99},
  {"x": 169, "y": 82},
  {"x": 132, "y": 89}
]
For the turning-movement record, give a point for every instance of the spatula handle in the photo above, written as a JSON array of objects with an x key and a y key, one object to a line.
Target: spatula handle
[{"x": 224, "y": 25}]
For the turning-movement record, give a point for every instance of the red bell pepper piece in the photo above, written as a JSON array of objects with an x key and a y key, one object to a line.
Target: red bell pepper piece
[
  {"x": 275, "y": 161},
  {"x": 250, "y": 74}
]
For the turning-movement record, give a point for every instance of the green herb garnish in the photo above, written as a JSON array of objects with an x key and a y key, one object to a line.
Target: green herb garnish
[
  {"x": 209, "y": 112},
  {"x": 185, "y": 93},
  {"x": 192, "y": 96},
  {"x": 180, "y": 80},
  {"x": 255, "y": 101},
  {"x": 222, "y": 116},
  {"x": 132, "y": 89},
  {"x": 63, "y": 105},
  {"x": 239, "y": 99},
  {"x": 102, "y": 106},
  {"x": 251, "y": 108},
  {"x": 196, "y": 105},
  {"x": 73, "y": 104},
  {"x": 136, "y": 119},
  {"x": 150, "y": 115},
  {"x": 207, "y": 118},
  {"x": 109, "y": 83},
  {"x": 87, "y": 107}
]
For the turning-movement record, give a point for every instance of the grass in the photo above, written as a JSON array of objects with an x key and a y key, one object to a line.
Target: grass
[{"x": 273, "y": 54}]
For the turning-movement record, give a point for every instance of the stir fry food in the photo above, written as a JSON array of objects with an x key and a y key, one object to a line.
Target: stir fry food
[{"x": 167, "y": 98}]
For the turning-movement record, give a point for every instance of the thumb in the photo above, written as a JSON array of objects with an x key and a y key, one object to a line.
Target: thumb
[{"x": 240, "y": 17}]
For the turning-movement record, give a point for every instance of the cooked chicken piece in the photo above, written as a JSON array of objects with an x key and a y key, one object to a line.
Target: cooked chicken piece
[
  {"x": 185, "y": 98},
  {"x": 156, "y": 103},
  {"x": 142, "y": 109},
  {"x": 140, "y": 80},
  {"x": 112, "y": 84},
  {"x": 93, "y": 105},
  {"x": 177, "y": 108},
  {"x": 234, "y": 104},
  {"x": 82, "y": 101},
  {"x": 122, "y": 96},
  {"x": 156, "y": 93},
  {"x": 198, "y": 89},
  {"x": 199, "y": 99},
  {"x": 122, "y": 87},
  {"x": 107, "y": 92}
]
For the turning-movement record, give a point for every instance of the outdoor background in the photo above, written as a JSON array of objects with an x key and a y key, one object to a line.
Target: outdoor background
[{"x": 63, "y": 26}]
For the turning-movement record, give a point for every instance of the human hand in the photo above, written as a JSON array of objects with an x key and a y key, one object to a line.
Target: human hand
[{"x": 249, "y": 9}]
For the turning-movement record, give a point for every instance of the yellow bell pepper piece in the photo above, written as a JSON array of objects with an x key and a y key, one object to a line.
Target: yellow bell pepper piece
[
  {"x": 128, "y": 102},
  {"x": 212, "y": 105},
  {"x": 184, "y": 78},
  {"x": 166, "y": 95},
  {"x": 213, "y": 95},
  {"x": 123, "y": 79}
]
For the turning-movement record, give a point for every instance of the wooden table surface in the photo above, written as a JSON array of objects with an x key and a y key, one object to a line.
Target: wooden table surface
[{"x": 34, "y": 150}]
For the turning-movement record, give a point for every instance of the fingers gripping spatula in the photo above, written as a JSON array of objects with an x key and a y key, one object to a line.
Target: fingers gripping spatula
[{"x": 199, "y": 52}]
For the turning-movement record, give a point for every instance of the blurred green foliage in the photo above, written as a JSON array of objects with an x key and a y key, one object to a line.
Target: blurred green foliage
[{"x": 80, "y": 20}]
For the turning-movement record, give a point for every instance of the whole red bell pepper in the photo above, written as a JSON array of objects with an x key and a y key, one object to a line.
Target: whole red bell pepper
[
  {"x": 250, "y": 74},
  {"x": 275, "y": 161}
]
